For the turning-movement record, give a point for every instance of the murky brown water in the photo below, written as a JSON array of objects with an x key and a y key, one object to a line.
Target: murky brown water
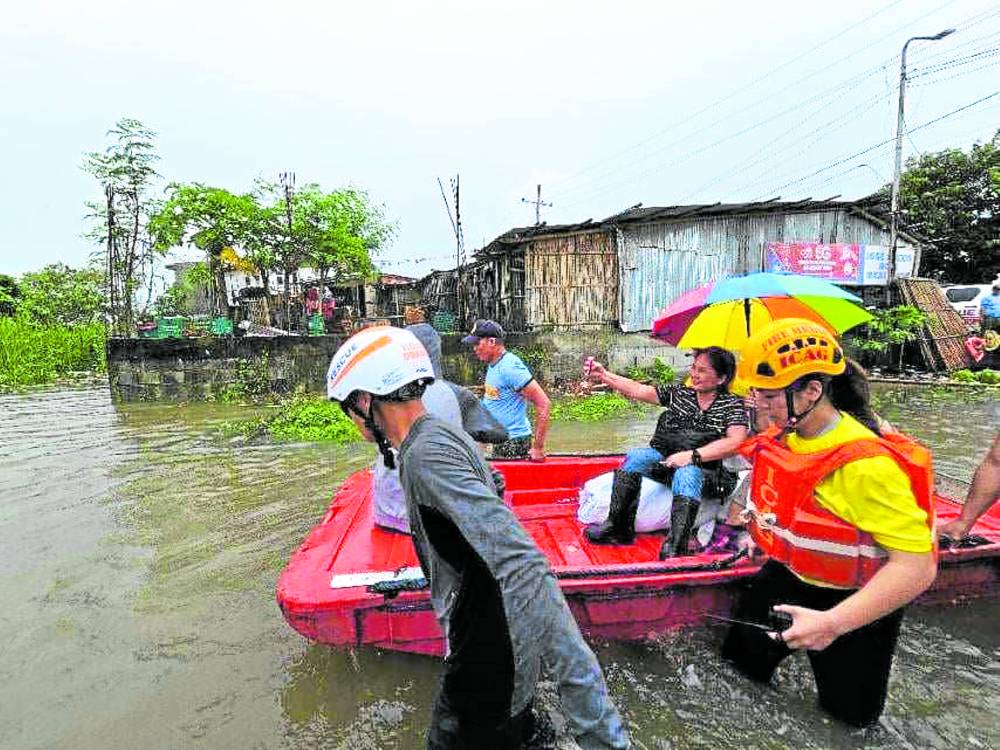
[{"x": 139, "y": 553}]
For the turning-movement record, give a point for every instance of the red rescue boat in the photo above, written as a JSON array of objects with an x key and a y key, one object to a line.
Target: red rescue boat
[{"x": 330, "y": 590}]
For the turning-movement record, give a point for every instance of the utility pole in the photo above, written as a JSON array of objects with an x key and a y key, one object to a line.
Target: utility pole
[
  {"x": 458, "y": 253},
  {"x": 109, "y": 194},
  {"x": 894, "y": 226},
  {"x": 288, "y": 183},
  {"x": 456, "y": 226},
  {"x": 538, "y": 205}
]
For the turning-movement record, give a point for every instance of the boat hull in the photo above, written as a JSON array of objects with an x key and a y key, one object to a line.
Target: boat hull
[{"x": 615, "y": 592}]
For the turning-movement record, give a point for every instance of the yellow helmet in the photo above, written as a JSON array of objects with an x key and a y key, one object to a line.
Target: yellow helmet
[{"x": 785, "y": 350}]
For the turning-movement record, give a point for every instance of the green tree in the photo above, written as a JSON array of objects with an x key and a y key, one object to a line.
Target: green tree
[
  {"x": 10, "y": 292},
  {"x": 341, "y": 231},
  {"x": 126, "y": 173},
  {"x": 58, "y": 294},
  {"x": 180, "y": 297},
  {"x": 894, "y": 326},
  {"x": 952, "y": 198},
  {"x": 213, "y": 219},
  {"x": 274, "y": 229}
]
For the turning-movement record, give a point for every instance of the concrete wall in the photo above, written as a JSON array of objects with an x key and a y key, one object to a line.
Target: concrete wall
[
  {"x": 201, "y": 369},
  {"x": 217, "y": 368}
]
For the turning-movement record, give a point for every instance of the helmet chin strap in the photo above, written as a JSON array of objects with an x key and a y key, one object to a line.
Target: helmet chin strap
[
  {"x": 793, "y": 419},
  {"x": 384, "y": 446}
]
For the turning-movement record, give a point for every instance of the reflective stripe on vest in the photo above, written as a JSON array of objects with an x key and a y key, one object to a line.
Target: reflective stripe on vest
[
  {"x": 789, "y": 524},
  {"x": 830, "y": 548}
]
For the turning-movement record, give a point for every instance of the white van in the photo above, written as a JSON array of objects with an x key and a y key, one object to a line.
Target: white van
[{"x": 965, "y": 298}]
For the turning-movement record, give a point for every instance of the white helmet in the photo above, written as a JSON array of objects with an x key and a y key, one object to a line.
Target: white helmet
[{"x": 377, "y": 360}]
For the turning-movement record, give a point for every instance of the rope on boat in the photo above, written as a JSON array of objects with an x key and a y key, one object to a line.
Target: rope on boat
[
  {"x": 390, "y": 589},
  {"x": 653, "y": 568}
]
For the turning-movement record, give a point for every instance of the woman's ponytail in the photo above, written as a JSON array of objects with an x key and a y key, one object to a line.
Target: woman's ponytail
[{"x": 849, "y": 392}]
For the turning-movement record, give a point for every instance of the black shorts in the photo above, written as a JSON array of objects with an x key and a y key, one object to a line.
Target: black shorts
[
  {"x": 513, "y": 448},
  {"x": 852, "y": 673}
]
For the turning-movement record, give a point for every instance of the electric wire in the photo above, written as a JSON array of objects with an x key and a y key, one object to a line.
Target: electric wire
[
  {"x": 601, "y": 190},
  {"x": 964, "y": 73},
  {"x": 607, "y": 187},
  {"x": 927, "y": 124},
  {"x": 766, "y": 154},
  {"x": 736, "y": 92}
]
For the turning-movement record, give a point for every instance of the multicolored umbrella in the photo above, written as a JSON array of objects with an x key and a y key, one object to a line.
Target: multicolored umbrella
[{"x": 725, "y": 312}]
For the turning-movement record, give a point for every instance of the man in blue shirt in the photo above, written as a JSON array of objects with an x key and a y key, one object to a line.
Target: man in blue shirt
[
  {"x": 509, "y": 387},
  {"x": 989, "y": 309}
]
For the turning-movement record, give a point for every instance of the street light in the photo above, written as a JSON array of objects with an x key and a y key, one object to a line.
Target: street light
[{"x": 894, "y": 226}]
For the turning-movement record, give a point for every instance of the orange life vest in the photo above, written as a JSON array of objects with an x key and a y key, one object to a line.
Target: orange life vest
[{"x": 793, "y": 528}]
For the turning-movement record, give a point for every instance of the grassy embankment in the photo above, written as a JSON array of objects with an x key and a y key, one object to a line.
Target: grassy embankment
[
  {"x": 314, "y": 419},
  {"x": 31, "y": 354}
]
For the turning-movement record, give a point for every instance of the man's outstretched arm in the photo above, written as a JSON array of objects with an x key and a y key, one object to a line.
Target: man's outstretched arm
[{"x": 982, "y": 494}]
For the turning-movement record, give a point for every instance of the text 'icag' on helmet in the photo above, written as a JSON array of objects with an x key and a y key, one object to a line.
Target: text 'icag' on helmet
[
  {"x": 785, "y": 350},
  {"x": 379, "y": 361}
]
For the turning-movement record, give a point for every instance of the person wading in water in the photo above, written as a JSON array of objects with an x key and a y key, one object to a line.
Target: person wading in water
[
  {"x": 498, "y": 602},
  {"x": 845, "y": 515}
]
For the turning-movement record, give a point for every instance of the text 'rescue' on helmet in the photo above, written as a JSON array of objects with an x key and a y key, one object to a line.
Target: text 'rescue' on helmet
[
  {"x": 787, "y": 349},
  {"x": 379, "y": 361}
]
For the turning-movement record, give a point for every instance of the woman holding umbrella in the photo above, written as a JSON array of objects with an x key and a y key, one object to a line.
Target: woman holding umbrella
[
  {"x": 845, "y": 515},
  {"x": 701, "y": 425}
]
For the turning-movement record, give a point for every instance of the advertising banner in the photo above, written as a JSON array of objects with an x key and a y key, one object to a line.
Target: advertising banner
[{"x": 841, "y": 263}]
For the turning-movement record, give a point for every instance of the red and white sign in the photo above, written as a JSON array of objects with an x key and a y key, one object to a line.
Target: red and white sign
[{"x": 839, "y": 262}]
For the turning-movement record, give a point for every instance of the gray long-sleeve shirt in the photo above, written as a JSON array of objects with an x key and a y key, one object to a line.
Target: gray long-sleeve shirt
[{"x": 442, "y": 472}]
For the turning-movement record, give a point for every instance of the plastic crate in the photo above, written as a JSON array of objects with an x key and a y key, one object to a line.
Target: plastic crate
[
  {"x": 170, "y": 327},
  {"x": 221, "y": 326},
  {"x": 443, "y": 321},
  {"x": 316, "y": 325}
]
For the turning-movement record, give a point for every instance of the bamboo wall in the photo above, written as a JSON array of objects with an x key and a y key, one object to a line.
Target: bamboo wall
[{"x": 571, "y": 282}]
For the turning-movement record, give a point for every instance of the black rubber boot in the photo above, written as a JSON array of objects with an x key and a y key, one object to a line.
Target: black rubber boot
[
  {"x": 620, "y": 526},
  {"x": 682, "y": 514}
]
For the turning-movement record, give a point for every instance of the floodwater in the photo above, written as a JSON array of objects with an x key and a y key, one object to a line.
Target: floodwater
[{"x": 139, "y": 552}]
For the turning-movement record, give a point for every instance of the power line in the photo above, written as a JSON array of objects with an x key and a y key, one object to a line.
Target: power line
[
  {"x": 589, "y": 192},
  {"x": 955, "y": 62},
  {"x": 964, "y": 73},
  {"x": 925, "y": 55},
  {"x": 765, "y": 153},
  {"x": 604, "y": 189},
  {"x": 735, "y": 92},
  {"x": 814, "y": 100},
  {"x": 883, "y": 143}
]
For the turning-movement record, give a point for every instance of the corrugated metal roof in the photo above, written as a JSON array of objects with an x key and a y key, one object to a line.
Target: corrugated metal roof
[
  {"x": 671, "y": 213},
  {"x": 867, "y": 207},
  {"x": 522, "y": 234}
]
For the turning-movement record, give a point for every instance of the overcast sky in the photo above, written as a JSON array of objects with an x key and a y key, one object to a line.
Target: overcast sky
[{"x": 605, "y": 104}]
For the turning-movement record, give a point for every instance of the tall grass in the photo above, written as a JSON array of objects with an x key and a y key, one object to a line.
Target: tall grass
[{"x": 33, "y": 354}]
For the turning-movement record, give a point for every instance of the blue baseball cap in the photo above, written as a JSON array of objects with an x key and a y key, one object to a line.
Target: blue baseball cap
[{"x": 484, "y": 329}]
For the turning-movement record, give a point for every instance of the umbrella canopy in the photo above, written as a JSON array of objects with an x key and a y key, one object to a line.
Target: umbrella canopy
[{"x": 725, "y": 312}]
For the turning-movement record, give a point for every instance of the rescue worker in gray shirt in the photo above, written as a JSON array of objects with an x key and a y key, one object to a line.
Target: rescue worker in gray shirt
[{"x": 498, "y": 603}]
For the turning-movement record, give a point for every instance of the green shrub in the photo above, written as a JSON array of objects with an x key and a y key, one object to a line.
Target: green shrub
[
  {"x": 305, "y": 419},
  {"x": 658, "y": 373},
  {"x": 986, "y": 377},
  {"x": 35, "y": 354},
  {"x": 891, "y": 327},
  {"x": 251, "y": 382},
  {"x": 989, "y": 377},
  {"x": 594, "y": 408},
  {"x": 315, "y": 420}
]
